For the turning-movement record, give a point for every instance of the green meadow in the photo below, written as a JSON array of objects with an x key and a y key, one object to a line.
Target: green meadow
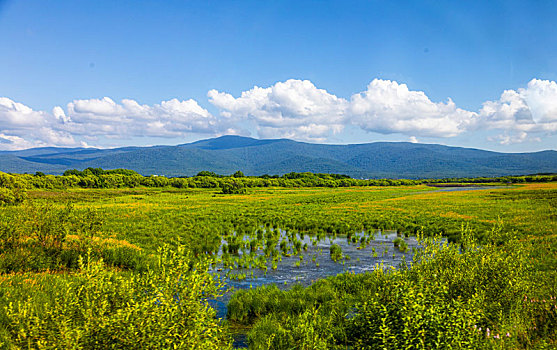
[{"x": 133, "y": 267}]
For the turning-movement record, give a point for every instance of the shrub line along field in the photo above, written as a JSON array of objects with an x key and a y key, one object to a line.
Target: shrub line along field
[{"x": 77, "y": 262}]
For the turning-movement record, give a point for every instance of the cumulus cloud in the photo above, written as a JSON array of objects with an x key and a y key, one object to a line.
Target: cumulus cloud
[
  {"x": 522, "y": 113},
  {"x": 294, "y": 109},
  {"x": 389, "y": 107},
  {"x": 533, "y": 108},
  {"x": 23, "y": 127},
  {"x": 11, "y": 142},
  {"x": 105, "y": 117},
  {"x": 297, "y": 109},
  {"x": 17, "y": 115}
]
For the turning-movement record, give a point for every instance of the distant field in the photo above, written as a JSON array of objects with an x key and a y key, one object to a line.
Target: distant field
[{"x": 151, "y": 217}]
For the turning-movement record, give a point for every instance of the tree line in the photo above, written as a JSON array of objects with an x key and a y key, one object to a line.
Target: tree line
[{"x": 125, "y": 178}]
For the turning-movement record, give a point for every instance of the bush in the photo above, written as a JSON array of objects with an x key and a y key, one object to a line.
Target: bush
[
  {"x": 12, "y": 196},
  {"x": 233, "y": 188},
  {"x": 98, "y": 308}
]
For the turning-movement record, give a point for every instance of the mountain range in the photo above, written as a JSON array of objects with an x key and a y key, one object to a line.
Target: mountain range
[{"x": 227, "y": 154}]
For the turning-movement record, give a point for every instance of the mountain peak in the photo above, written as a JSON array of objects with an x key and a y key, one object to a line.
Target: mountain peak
[{"x": 229, "y": 142}]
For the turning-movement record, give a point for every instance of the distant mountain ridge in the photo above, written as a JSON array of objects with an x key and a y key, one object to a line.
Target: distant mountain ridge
[{"x": 227, "y": 154}]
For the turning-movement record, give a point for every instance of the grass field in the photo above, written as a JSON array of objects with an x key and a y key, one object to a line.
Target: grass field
[
  {"x": 127, "y": 227},
  {"x": 151, "y": 217}
]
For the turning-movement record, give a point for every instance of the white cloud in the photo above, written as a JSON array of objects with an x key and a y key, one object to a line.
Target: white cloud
[
  {"x": 60, "y": 115},
  {"x": 521, "y": 114},
  {"x": 23, "y": 127},
  {"x": 297, "y": 109},
  {"x": 11, "y": 142},
  {"x": 89, "y": 119},
  {"x": 294, "y": 109},
  {"x": 389, "y": 107},
  {"x": 541, "y": 97},
  {"x": 530, "y": 109},
  {"x": 509, "y": 139},
  {"x": 97, "y": 109},
  {"x": 17, "y": 115},
  {"x": 171, "y": 118}
]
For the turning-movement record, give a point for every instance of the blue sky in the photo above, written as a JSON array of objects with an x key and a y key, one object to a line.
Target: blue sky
[{"x": 110, "y": 73}]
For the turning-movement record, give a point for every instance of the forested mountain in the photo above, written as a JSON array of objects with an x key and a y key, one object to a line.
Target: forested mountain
[{"x": 227, "y": 154}]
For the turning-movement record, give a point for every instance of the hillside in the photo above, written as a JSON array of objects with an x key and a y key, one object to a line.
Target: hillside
[{"x": 227, "y": 154}]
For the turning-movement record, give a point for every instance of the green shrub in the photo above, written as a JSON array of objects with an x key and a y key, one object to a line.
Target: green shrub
[
  {"x": 233, "y": 187},
  {"x": 336, "y": 252},
  {"x": 12, "y": 196},
  {"x": 99, "y": 308},
  {"x": 402, "y": 315}
]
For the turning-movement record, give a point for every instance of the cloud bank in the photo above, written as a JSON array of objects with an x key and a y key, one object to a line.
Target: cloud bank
[{"x": 295, "y": 109}]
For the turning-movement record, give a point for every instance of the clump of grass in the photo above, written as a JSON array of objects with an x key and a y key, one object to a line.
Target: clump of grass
[
  {"x": 335, "y": 252},
  {"x": 400, "y": 244}
]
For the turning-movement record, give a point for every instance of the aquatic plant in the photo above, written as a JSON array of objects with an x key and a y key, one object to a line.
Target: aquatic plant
[
  {"x": 400, "y": 244},
  {"x": 335, "y": 252}
]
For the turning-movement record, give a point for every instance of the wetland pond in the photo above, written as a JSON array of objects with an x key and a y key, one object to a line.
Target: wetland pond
[
  {"x": 360, "y": 253},
  {"x": 316, "y": 263}
]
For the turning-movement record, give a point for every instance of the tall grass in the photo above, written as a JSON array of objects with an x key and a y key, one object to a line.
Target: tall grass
[
  {"x": 38, "y": 237},
  {"x": 99, "y": 308}
]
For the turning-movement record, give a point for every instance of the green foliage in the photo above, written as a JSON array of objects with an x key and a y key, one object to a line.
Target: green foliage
[
  {"x": 124, "y": 178},
  {"x": 402, "y": 315},
  {"x": 336, "y": 252},
  {"x": 207, "y": 173},
  {"x": 400, "y": 244},
  {"x": 238, "y": 174},
  {"x": 97, "y": 172},
  {"x": 308, "y": 330},
  {"x": 12, "y": 196},
  {"x": 233, "y": 188},
  {"x": 38, "y": 237},
  {"x": 98, "y": 308}
]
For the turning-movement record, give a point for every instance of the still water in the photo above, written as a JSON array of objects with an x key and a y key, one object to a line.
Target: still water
[{"x": 317, "y": 264}]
